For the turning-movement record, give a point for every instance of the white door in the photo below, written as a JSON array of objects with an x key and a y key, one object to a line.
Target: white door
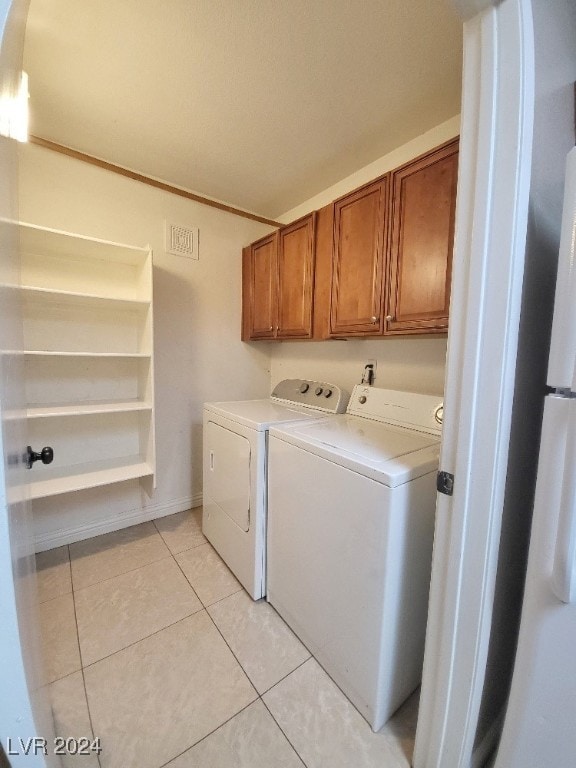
[
  {"x": 519, "y": 70},
  {"x": 24, "y": 712}
]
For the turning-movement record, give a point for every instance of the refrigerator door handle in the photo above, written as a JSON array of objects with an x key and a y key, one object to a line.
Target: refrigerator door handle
[{"x": 564, "y": 571}]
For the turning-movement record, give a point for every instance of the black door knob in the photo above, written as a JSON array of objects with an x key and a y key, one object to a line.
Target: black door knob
[{"x": 46, "y": 456}]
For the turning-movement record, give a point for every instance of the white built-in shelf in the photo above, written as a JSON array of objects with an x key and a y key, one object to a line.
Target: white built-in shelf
[
  {"x": 89, "y": 475},
  {"x": 60, "y": 353},
  {"x": 64, "y": 297},
  {"x": 88, "y": 359},
  {"x": 86, "y": 408}
]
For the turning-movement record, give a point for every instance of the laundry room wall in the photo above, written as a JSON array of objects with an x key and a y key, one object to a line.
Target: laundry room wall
[
  {"x": 414, "y": 363},
  {"x": 197, "y": 310}
]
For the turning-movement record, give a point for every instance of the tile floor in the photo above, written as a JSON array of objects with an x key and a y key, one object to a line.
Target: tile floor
[{"x": 152, "y": 645}]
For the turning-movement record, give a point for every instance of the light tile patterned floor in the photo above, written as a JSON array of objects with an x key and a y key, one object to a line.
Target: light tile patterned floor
[{"x": 152, "y": 645}]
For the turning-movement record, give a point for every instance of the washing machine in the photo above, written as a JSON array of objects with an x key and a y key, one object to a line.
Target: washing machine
[
  {"x": 235, "y": 469},
  {"x": 351, "y": 508}
]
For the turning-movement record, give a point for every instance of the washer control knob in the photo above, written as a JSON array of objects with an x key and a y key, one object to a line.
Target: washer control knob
[
  {"x": 318, "y": 391},
  {"x": 362, "y": 399},
  {"x": 328, "y": 393},
  {"x": 304, "y": 387}
]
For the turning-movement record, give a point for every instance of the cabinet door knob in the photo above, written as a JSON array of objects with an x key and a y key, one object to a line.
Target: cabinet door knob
[
  {"x": 389, "y": 318},
  {"x": 374, "y": 319},
  {"x": 271, "y": 328}
]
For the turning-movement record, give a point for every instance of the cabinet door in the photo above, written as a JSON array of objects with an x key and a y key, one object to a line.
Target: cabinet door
[
  {"x": 260, "y": 286},
  {"x": 420, "y": 263},
  {"x": 323, "y": 271},
  {"x": 359, "y": 239},
  {"x": 295, "y": 279}
]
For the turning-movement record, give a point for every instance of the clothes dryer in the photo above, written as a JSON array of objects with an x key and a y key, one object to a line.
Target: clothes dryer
[
  {"x": 235, "y": 469},
  {"x": 351, "y": 507}
]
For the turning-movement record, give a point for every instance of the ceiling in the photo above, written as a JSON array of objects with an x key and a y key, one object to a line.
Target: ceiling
[{"x": 257, "y": 103}]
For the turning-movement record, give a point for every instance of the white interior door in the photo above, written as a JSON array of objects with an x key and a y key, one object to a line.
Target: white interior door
[
  {"x": 489, "y": 253},
  {"x": 24, "y": 711}
]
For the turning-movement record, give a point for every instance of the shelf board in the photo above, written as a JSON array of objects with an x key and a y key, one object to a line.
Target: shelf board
[
  {"x": 86, "y": 408},
  {"x": 60, "y": 353},
  {"x": 53, "y": 242},
  {"x": 58, "y": 295},
  {"x": 91, "y": 475}
]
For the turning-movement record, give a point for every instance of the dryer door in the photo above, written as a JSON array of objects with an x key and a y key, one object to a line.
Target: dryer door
[{"x": 228, "y": 472}]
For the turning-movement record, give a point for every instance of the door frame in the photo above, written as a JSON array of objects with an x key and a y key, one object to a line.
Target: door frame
[
  {"x": 489, "y": 250},
  {"x": 24, "y": 708}
]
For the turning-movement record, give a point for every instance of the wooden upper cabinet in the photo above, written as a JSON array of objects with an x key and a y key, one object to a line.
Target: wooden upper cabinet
[
  {"x": 296, "y": 279},
  {"x": 323, "y": 271},
  {"x": 278, "y": 282},
  {"x": 376, "y": 262},
  {"x": 422, "y": 237},
  {"x": 259, "y": 278},
  {"x": 358, "y": 264}
]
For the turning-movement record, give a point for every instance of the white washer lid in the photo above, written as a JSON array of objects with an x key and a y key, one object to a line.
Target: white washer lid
[
  {"x": 389, "y": 454},
  {"x": 261, "y": 414}
]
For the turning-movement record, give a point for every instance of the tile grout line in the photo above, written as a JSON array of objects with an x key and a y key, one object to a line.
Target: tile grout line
[
  {"x": 187, "y": 549},
  {"x": 259, "y": 695},
  {"x": 80, "y": 653},
  {"x": 119, "y": 650},
  {"x": 192, "y": 586},
  {"x": 287, "y": 674},
  {"x": 233, "y": 654},
  {"x": 187, "y": 579},
  {"x": 221, "y": 599},
  {"x": 141, "y": 639},
  {"x": 214, "y": 730},
  {"x": 130, "y": 570},
  {"x": 304, "y": 763},
  {"x": 203, "y": 608}
]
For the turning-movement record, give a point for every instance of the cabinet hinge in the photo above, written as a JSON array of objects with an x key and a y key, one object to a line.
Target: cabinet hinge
[{"x": 445, "y": 483}]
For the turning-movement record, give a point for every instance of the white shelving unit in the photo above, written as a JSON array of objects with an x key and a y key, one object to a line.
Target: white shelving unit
[{"x": 88, "y": 348}]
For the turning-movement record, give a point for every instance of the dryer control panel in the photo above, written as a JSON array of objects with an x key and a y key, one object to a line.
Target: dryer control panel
[{"x": 317, "y": 395}]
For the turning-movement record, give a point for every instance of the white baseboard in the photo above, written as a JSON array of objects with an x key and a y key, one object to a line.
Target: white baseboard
[{"x": 64, "y": 536}]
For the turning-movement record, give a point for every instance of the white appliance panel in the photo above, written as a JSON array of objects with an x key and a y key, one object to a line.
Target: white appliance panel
[
  {"x": 564, "y": 573},
  {"x": 348, "y": 568},
  {"x": 406, "y": 409},
  {"x": 359, "y": 452},
  {"x": 365, "y": 439},
  {"x": 259, "y": 414},
  {"x": 561, "y": 369},
  {"x": 228, "y": 472},
  {"x": 540, "y": 724},
  {"x": 539, "y": 729}
]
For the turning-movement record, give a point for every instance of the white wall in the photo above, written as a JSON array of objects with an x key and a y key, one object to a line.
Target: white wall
[
  {"x": 416, "y": 364},
  {"x": 197, "y": 308},
  {"x": 406, "y": 152},
  {"x": 412, "y": 363}
]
